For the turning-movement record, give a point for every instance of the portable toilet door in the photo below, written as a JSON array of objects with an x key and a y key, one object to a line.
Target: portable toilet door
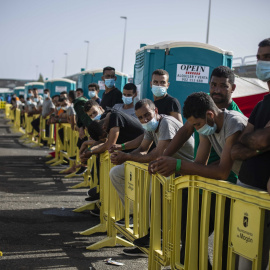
[
  {"x": 189, "y": 65},
  {"x": 148, "y": 59},
  {"x": 19, "y": 91},
  {"x": 95, "y": 76},
  {"x": 56, "y": 86},
  {"x": 32, "y": 85}
]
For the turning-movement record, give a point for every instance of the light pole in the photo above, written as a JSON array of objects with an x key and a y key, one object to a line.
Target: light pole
[
  {"x": 52, "y": 68},
  {"x": 124, "y": 43},
  {"x": 86, "y": 65},
  {"x": 208, "y": 23},
  {"x": 37, "y": 72},
  {"x": 66, "y": 54}
]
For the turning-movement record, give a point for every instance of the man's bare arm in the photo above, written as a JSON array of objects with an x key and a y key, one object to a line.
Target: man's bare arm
[{"x": 182, "y": 135}]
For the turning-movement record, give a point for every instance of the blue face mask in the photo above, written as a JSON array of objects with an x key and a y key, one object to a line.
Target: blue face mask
[
  {"x": 263, "y": 70},
  {"x": 151, "y": 125},
  {"x": 30, "y": 94},
  {"x": 207, "y": 130},
  {"x": 159, "y": 91},
  {"x": 110, "y": 83},
  {"x": 58, "y": 108},
  {"x": 36, "y": 99},
  {"x": 92, "y": 94},
  {"x": 46, "y": 96},
  {"x": 29, "y": 102},
  {"x": 127, "y": 100},
  {"x": 97, "y": 117}
]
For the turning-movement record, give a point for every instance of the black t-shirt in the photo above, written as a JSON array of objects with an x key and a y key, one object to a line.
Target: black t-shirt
[
  {"x": 167, "y": 105},
  {"x": 255, "y": 171},
  {"x": 98, "y": 100},
  {"x": 130, "y": 127},
  {"x": 111, "y": 98}
]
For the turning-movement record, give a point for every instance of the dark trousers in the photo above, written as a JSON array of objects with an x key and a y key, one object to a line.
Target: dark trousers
[
  {"x": 35, "y": 124},
  {"x": 211, "y": 225}
]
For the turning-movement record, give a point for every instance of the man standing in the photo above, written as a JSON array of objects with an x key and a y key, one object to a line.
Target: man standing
[
  {"x": 165, "y": 103},
  {"x": 112, "y": 95},
  {"x": 129, "y": 93},
  {"x": 93, "y": 90},
  {"x": 253, "y": 148}
]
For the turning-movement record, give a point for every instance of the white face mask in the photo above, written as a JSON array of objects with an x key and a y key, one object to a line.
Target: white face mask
[
  {"x": 92, "y": 94},
  {"x": 159, "y": 91},
  {"x": 263, "y": 70}
]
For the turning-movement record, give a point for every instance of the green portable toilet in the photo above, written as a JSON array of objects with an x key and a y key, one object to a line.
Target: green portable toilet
[
  {"x": 32, "y": 85},
  {"x": 94, "y": 76},
  {"x": 56, "y": 86},
  {"x": 189, "y": 65},
  {"x": 19, "y": 90}
]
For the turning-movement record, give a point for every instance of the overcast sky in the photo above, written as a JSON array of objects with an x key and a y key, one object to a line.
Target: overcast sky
[{"x": 35, "y": 32}]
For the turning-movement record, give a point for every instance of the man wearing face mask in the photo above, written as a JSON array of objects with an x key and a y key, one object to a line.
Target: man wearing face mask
[
  {"x": 165, "y": 103},
  {"x": 112, "y": 95},
  {"x": 129, "y": 93},
  {"x": 253, "y": 148},
  {"x": 93, "y": 90}
]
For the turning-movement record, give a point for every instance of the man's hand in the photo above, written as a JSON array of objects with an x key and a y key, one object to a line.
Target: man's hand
[
  {"x": 165, "y": 166},
  {"x": 118, "y": 158},
  {"x": 115, "y": 147}
]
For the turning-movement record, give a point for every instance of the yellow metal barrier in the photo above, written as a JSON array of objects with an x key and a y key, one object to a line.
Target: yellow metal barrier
[
  {"x": 7, "y": 110},
  {"x": 245, "y": 228},
  {"x": 110, "y": 209},
  {"x": 89, "y": 182},
  {"x": 2, "y": 104}
]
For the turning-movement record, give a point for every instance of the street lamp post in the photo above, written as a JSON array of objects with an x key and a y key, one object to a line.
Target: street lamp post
[
  {"x": 86, "y": 65},
  {"x": 52, "y": 68},
  {"x": 124, "y": 43},
  {"x": 37, "y": 72},
  {"x": 66, "y": 54},
  {"x": 208, "y": 23}
]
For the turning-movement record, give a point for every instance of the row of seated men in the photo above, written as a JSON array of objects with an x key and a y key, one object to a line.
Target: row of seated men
[{"x": 217, "y": 141}]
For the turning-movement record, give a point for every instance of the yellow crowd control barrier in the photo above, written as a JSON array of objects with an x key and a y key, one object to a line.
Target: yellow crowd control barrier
[
  {"x": 2, "y": 104},
  {"x": 7, "y": 110},
  {"x": 110, "y": 209}
]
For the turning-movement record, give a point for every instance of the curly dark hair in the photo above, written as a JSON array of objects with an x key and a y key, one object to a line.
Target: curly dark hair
[
  {"x": 94, "y": 85},
  {"x": 108, "y": 68},
  {"x": 144, "y": 102},
  {"x": 197, "y": 104},
  {"x": 264, "y": 43},
  {"x": 89, "y": 104},
  {"x": 223, "y": 72},
  {"x": 131, "y": 86}
]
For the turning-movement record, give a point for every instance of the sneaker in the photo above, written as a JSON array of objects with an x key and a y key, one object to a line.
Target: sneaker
[
  {"x": 121, "y": 222},
  {"x": 95, "y": 212},
  {"x": 92, "y": 192},
  {"x": 64, "y": 164},
  {"x": 93, "y": 199},
  {"x": 136, "y": 252},
  {"x": 73, "y": 158},
  {"x": 81, "y": 171},
  {"x": 143, "y": 241}
]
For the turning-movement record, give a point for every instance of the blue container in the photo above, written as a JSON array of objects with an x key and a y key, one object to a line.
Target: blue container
[
  {"x": 94, "y": 76},
  {"x": 189, "y": 65},
  {"x": 19, "y": 90},
  {"x": 31, "y": 85},
  {"x": 56, "y": 86}
]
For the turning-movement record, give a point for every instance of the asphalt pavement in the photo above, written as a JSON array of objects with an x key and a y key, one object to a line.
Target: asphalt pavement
[{"x": 38, "y": 229}]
